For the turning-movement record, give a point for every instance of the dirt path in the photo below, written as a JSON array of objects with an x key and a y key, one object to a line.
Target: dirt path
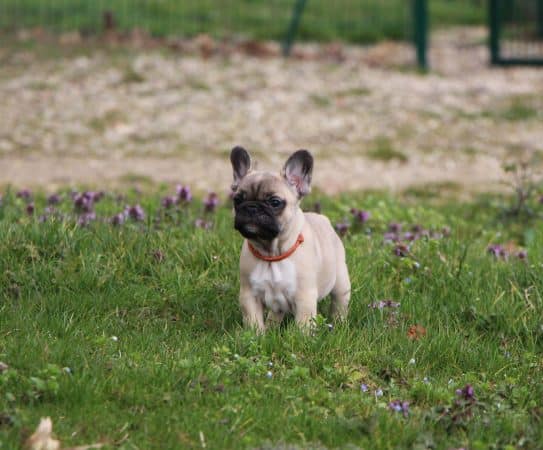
[{"x": 111, "y": 117}]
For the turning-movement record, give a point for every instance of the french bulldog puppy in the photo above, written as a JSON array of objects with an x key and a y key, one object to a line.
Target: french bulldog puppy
[{"x": 290, "y": 259}]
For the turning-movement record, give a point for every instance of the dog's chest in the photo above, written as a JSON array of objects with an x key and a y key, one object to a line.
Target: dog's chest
[{"x": 274, "y": 284}]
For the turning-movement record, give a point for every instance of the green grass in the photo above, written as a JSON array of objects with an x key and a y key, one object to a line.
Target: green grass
[
  {"x": 383, "y": 150},
  {"x": 349, "y": 20},
  {"x": 182, "y": 370}
]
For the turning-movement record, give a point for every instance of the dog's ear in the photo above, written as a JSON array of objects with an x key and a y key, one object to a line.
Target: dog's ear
[
  {"x": 241, "y": 165},
  {"x": 298, "y": 170}
]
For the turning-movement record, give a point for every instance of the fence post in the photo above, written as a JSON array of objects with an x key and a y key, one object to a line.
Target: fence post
[
  {"x": 293, "y": 26},
  {"x": 494, "y": 28},
  {"x": 420, "y": 19},
  {"x": 540, "y": 19}
]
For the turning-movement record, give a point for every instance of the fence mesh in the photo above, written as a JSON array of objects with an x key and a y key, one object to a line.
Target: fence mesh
[
  {"x": 358, "y": 21},
  {"x": 521, "y": 33}
]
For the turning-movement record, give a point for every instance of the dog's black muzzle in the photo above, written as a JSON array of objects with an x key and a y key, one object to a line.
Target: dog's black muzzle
[{"x": 256, "y": 220}]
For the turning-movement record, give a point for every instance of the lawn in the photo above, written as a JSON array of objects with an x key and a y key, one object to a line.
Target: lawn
[
  {"x": 122, "y": 325},
  {"x": 349, "y": 20}
]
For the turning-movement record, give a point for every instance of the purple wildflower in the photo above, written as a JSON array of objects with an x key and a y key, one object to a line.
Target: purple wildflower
[
  {"x": 135, "y": 212},
  {"x": 446, "y": 231},
  {"x": 541, "y": 199},
  {"x": 390, "y": 237},
  {"x": 399, "y": 406},
  {"x": 83, "y": 202},
  {"x": 395, "y": 227},
  {"x": 119, "y": 219},
  {"x": 30, "y": 208},
  {"x": 381, "y": 304},
  {"x": 86, "y": 218},
  {"x": 168, "y": 201},
  {"x": 364, "y": 387},
  {"x": 360, "y": 216},
  {"x": 183, "y": 194},
  {"x": 25, "y": 194},
  {"x": 401, "y": 250},
  {"x": 53, "y": 199},
  {"x": 409, "y": 236},
  {"x": 201, "y": 223},
  {"x": 466, "y": 393},
  {"x": 342, "y": 228},
  {"x": 211, "y": 202},
  {"x": 497, "y": 251},
  {"x": 522, "y": 254}
]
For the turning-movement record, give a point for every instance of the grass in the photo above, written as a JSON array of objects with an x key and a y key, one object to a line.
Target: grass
[
  {"x": 132, "y": 334},
  {"x": 383, "y": 150},
  {"x": 349, "y": 20}
]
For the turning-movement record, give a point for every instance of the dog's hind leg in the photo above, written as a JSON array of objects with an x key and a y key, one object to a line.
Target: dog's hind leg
[{"x": 341, "y": 293}]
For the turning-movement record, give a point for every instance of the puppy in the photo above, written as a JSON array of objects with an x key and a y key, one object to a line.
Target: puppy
[{"x": 290, "y": 259}]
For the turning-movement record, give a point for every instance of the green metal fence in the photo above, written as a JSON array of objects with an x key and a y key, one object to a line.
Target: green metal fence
[
  {"x": 348, "y": 20},
  {"x": 356, "y": 21},
  {"x": 516, "y": 32}
]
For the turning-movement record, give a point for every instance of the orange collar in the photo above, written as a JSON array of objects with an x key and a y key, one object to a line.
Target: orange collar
[{"x": 280, "y": 257}]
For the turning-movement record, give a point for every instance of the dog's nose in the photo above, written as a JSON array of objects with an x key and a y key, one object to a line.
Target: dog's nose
[{"x": 251, "y": 208}]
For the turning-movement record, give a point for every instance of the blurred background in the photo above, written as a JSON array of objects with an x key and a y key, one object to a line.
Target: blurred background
[{"x": 388, "y": 94}]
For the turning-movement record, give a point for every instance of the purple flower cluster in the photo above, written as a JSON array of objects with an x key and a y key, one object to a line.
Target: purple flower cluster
[
  {"x": 382, "y": 304},
  {"x": 84, "y": 201},
  {"x": 53, "y": 199},
  {"x": 183, "y": 196},
  {"x": 169, "y": 201},
  {"x": 394, "y": 234},
  {"x": 401, "y": 250},
  {"x": 134, "y": 212},
  {"x": 399, "y": 406},
  {"x": 85, "y": 218},
  {"x": 360, "y": 216},
  {"x": 211, "y": 202},
  {"x": 83, "y": 205},
  {"x": 500, "y": 252},
  {"x": 342, "y": 228},
  {"x": 25, "y": 194},
  {"x": 466, "y": 393}
]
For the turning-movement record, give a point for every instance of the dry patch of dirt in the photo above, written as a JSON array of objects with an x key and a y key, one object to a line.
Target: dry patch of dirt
[{"x": 370, "y": 121}]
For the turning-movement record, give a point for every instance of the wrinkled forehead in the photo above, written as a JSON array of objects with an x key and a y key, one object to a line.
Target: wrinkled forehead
[{"x": 260, "y": 185}]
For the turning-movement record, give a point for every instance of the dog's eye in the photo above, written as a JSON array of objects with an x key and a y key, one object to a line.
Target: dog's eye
[
  {"x": 238, "y": 199},
  {"x": 275, "y": 202}
]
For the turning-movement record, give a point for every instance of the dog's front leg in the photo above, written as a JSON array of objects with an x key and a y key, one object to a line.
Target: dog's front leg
[
  {"x": 252, "y": 309},
  {"x": 306, "y": 308}
]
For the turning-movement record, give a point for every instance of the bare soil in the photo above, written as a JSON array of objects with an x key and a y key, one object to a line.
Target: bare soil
[{"x": 106, "y": 116}]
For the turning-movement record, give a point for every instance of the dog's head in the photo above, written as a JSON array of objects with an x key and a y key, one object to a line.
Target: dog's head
[{"x": 265, "y": 203}]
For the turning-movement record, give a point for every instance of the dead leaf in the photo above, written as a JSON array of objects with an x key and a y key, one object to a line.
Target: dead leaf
[
  {"x": 84, "y": 447},
  {"x": 416, "y": 332},
  {"x": 42, "y": 439}
]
